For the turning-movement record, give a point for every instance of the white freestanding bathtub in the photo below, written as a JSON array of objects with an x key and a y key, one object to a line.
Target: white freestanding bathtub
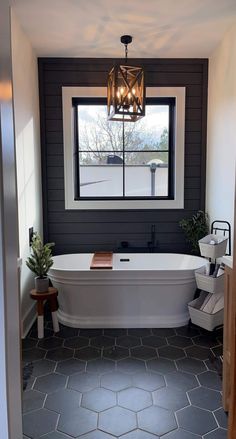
[{"x": 143, "y": 290}]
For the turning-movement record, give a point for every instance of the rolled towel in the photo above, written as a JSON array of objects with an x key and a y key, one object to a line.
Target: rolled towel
[
  {"x": 210, "y": 304},
  {"x": 219, "y": 305}
]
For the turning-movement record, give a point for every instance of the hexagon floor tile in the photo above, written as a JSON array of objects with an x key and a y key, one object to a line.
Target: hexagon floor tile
[
  {"x": 102, "y": 341},
  {"x": 131, "y": 365},
  {"x": 88, "y": 353},
  {"x": 205, "y": 398},
  {"x": 63, "y": 401},
  {"x": 55, "y": 435},
  {"x": 139, "y": 434},
  {"x": 99, "y": 400},
  {"x": 156, "y": 420},
  {"x": 43, "y": 367},
  {"x": 39, "y": 422},
  {"x": 182, "y": 380},
  {"x": 100, "y": 366},
  {"x": 134, "y": 399},
  {"x": 116, "y": 381},
  {"x": 83, "y": 382},
  {"x": 180, "y": 341},
  {"x": 181, "y": 434},
  {"x": 32, "y": 400},
  {"x": 222, "y": 418},
  {"x": 171, "y": 352},
  {"x": 191, "y": 365},
  {"x": 122, "y": 384},
  {"x": 76, "y": 342},
  {"x": 161, "y": 365},
  {"x": 71, "y": 366},
  {"x": 117, "y": 421},
  {"x": 50, "y": 383},
  {"x": 128, "y": 341},
  {"x": 216, "y": 434},
  {"x": 196, "y": 420},
  {"x": 116, "y": 353},
  {"x": 154, "y": 341},
  {"x": 148, "y": 381},
  {"x": 60, "y": 354},
  {"x": 77, "y": 422},
  {"x": 97, "y": 434},
  {"x": 170, "y": 398},
  {"x": 211, "y": 380}
]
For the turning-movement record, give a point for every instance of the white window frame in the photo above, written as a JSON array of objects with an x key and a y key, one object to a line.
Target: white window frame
[{"x": 68, "y": 93}]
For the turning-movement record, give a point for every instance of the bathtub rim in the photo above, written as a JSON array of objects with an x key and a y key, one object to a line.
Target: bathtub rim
[{"x": 134, "y": 270}]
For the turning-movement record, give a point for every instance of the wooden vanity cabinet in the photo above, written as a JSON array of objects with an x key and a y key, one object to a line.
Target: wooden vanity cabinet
[{"x": 229, "y": 352}]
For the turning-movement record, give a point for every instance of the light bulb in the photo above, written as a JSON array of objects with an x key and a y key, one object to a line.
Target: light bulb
[
  {"x": 122, "y": 90},
  {"x": 133, "y": 91}
]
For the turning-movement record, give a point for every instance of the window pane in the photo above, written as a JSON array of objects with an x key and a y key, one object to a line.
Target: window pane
[
  {"x": 95, "y": 132},
  {"x": 146, "y": 174},
  {"x": 150, "y": 132},
  {"x": 101, "y": 174}
]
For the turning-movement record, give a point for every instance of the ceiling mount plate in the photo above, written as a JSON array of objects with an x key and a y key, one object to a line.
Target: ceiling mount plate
[{"x": 126, "y": 39}]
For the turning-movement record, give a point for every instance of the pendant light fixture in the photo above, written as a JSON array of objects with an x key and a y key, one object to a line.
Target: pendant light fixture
[{"x": 126, "y": 90}]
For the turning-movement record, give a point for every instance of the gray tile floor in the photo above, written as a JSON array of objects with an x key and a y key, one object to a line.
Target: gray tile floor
[{"x": 126, "y": 384}]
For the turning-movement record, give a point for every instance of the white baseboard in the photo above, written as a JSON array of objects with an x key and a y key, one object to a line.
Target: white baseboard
[{"x": 28, "y": 320}]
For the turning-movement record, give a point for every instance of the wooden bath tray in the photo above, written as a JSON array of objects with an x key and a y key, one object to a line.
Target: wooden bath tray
[{"x": 101, "y": 261}]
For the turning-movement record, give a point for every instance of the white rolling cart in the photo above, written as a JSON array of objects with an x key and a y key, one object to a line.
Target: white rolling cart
[{"x": 208, "y": 283}]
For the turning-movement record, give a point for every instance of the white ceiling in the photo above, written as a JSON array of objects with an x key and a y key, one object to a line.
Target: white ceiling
[{"x": 92, "y": 28}]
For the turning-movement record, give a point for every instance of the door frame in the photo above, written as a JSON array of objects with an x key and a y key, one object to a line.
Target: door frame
[
  {"x": 232, "y": 347},
  {"x": 10, "y": 358}
]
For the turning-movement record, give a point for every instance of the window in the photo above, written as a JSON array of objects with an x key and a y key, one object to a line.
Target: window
[
  {"x": 116, "y": 160},
  {"x": 111, "y": 165}
]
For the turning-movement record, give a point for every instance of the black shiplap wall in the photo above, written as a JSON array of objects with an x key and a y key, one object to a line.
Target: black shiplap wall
[{"x": 87, "y": 231}]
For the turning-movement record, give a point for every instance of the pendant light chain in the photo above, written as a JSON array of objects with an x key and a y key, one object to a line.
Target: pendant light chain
[{"x": 126, "y": 53}]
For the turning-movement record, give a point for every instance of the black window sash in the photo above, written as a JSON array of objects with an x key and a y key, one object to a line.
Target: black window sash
[{"x": 170, "y": 102}]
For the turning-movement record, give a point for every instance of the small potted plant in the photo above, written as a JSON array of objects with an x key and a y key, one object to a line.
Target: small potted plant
[
  {"x": 195, "y": 228},
  {"x": 40, "y": 261}
]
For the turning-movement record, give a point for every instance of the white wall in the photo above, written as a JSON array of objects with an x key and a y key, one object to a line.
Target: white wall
[
  {"x": 222, "y": 130},
  {"x": 26, "y": 113}
]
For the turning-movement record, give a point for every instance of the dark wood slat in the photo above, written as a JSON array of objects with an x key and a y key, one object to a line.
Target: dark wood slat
[
  {"x": 54, "y": 149},
  {"x": 82, "y": 239},
  {"x": 55, "y": 160},
  {"x": 152, "y": 61},
  {"x": 204, "y": 134},
  {"x": 192, "y": 171},
  {"x": 193, "y": 148},
  {"x": 192, "y": 160},
  {"x": 193, "y": 125},
  {"x": 122, "y": 217},
  {"x": 111, "y": 228},
  {"x": 161, "y": 248},
  {"x": 94, "y": 67},
  {"x": 193, "y": 102},
  {"x": 194, "y": 114},
  {"x": 193, "y": 136},
  {"x": 56, "y": 195}
]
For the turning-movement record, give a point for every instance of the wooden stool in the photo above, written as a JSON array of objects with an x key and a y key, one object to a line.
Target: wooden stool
[{"x": 51, "y": 296}]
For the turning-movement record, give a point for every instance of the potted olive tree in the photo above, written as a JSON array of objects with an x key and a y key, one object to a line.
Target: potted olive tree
[{"x": 40, "y": 261}]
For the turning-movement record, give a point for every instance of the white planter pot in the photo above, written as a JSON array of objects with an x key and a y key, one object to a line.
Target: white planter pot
[{"x": 41, "y": 284}]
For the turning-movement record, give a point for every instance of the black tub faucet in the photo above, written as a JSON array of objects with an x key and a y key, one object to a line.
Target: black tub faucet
[{"x": 152, "y": 244}]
